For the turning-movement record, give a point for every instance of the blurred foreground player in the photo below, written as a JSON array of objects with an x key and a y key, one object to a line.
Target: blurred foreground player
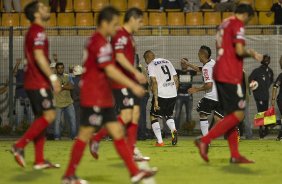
[
  {"x": 228, "y": 74},
  {"x": 96, "y": 100},
  {"x": 38, "y": 81},
  {"x": 127, "y": 104},
  {"x": 164, "y": 82}
]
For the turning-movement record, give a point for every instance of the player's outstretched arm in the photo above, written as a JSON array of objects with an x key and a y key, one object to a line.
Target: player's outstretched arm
[
  {"x": 154, "y": 84},
  {"x": 207, "y": 86},
  {"x": 123, "y": 61},
  {"x": 113, "y": 73},
  {"x": 194, "y": 67},
  {"x": 43, "y": 64},
  {"x": 244, "y": 53}
]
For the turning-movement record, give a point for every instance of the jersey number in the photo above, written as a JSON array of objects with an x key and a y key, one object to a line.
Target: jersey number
[{"x": 166, "y": 72}]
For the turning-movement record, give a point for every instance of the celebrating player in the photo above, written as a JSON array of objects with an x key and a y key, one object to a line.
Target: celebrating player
[
  {"x": 127, "y": 103},
  {"x": 228, "y": 74},
  {"x": 97, "y": 108},
  {"x": 210, "y": 101},
  {"x": 37, "y": 83},
  {"x": 164, "y": 83}
]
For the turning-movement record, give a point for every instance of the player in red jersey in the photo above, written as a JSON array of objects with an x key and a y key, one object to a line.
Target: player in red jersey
[
  {"x": 97, "y": 105},
  {"x": 228, "y": 74},
  {"x": 127, "y": 104},
  {"x": 38, "y": 82}
]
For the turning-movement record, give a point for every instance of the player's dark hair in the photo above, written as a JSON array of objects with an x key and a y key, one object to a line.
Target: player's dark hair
[
  {"x": 30, "y": 9},
  {"x": 132, "y": 12},
  {"x": 107, "y": 14},
  {"x": 245, "y": 8},
  {"x": 206, "y": 48},
  {"x": 59, "y": 64}
]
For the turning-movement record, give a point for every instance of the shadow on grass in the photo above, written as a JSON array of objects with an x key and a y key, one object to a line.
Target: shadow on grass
[
  {"x": 29, "y": 176},
  {"x": 237, "y": 169},
  {"x": 99, "y": 178}
]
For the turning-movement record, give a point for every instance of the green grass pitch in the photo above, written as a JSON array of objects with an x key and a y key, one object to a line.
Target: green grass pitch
[{"x": 177, "y": 165}]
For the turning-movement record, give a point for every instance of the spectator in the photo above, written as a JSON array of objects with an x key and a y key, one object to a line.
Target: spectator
[
  {"x": 77, "y": 71},
  {"x": 224, "y": 5},
  {"x": 142, "y": 128},
  {"x": 22, "y": 103},
  {"x": 173, "y": 4},
  {"x": 263, "y": 75},
  {"x": 247, "y": 123},
  {"x": 183, "y": 98},
  {"x": 64, "y": 103},
  {"x": 277, "y": 10},
  {"x": 54, "y": 5},
  {"x": 193, "y": 5},
  {"x": 9, "y": 4},
  {"x": 153, "y": 4},
  {"x": 4, "y": 88},
  {"x": 53, "y": 63}
]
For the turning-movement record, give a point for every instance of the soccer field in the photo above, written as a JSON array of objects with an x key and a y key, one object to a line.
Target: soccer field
[{"x": 177, "y": 165}]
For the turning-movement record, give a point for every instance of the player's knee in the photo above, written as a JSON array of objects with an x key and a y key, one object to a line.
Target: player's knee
[
  {"x": 85, "y": 133},
  {"x": 240, "y": 115},
  {"x": 154, "y": 121},
  {"x": 116, "y": 131},
  {"x": 203, "y": 116},
  {"x": 50, "y": 116},
  {"x": 126, "y": 117}
]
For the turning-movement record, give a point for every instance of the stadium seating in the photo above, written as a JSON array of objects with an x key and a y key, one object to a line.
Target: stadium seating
[
  {"x": 119, "y": 4},
  {"x": 24, "y": 3},
  {"x": 141, "y": 4},
  {"x": 253, "y": 31},
  {"x": 227, "y": 15},
  {"x": 145, "y": 23},
  {"x": 195, "y": 19},
  {"x": 69, "y": 7},
  {"x": 212, "y": 18},
  {"x": 23, "y": 20},
  {"x": 97, "y": 5},
  {"x": 251, "y": 2},
  {"x": 264, "y": 19},
  {"x": 254, "y": 20},
  {"x": 10, "y": 19},
  {"x": 82, "y": 5},
  {"x": 66, "y": 20},
  {"x": 176, "y": 19},
  {"x": 121, "y": 18},
  {"x": 158, "y": 19},
  {"x": 84, "y": 19},
  {"x": 263, "y": 5}
]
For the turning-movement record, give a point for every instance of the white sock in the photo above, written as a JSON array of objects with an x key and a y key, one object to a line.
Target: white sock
[
  {"x": 204, "y": 124},
  {"x": 170, "y": 123},
  {"x": 157, "y": 131}
]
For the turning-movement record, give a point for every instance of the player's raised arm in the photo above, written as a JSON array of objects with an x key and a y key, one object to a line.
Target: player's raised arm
[{"x": 194, "y": 67}]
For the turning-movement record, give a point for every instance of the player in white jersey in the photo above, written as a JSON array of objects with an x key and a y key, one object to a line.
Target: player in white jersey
[
  {"x": 209, "y": 102},
  {"x": 164, "y": 82}
]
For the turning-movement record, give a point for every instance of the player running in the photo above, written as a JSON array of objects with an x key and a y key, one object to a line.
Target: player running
[
  {"x": 38, "y": 81},
  {"x": 209, "y": 102},
  {"x": 228, "y": 75},
  {"x": 127, "y": 104},
  {"x": 97, "y": 107},
  {"x": 164, "y": 82}
]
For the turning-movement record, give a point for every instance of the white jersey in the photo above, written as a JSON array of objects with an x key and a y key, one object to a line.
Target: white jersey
[
  {"x": 207, "y": 72},
  {"x": 164, "y": 71}
]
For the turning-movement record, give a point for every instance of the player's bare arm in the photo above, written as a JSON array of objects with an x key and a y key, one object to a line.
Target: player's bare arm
[
  {"x": 123, "y": 61},
  {"x": 43, "y": 64},
  {"x": 154, "y": 84},
  {"x": 16, "y": 68},
  {"x": 112, "y": 72},
  {"x": 274, "y": 95},
  {"x": 194, "y": 67},
  {"x": 176, "y": 81},
  {"x": 244, "y": 53},
  {"x": 207, "y": 86}
]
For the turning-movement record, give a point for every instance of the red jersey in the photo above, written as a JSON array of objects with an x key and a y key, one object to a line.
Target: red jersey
[
  {"x": 35, "y": 39},
  {"x": 229, "y": 66},
  {"x": 123, "y": 42},
  {"x": 95, "y": 85}
]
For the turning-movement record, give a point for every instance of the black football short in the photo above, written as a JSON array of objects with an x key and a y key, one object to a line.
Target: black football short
[
  {"x": 125, "y": 99},
  {"x": 166, "y": 107},
  {"x": 96, "y": 116},
  {"x": 279, "y": 104},
  {"x": 206, "y": 106},
  {"x": 41, "y": 100},
  {"x": 231, "y": 97}
]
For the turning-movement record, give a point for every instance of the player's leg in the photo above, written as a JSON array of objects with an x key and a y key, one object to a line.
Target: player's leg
[
  {"x": 43, "y": 109},
  {"x": 204, "y": 109},
  {"x": 154, "y": 115},
  {"x": 204, "y": 123},
  {"x": 168, "y": 106},
  {"x": 279, "y": 104}
]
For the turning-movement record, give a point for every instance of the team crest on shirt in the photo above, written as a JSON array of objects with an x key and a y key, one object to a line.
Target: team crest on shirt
[
  {"x": 46, "y": 104},
  {"x": 95, "y": 120},
  {"x": 128, "y": 101},
  {"x": 206, "y": 74},
  {"x": 40, "y": 38},
  {"x": 242, "y": 104}
]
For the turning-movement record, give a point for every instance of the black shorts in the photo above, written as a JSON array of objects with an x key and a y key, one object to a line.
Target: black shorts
[
  {"x": 125, "y": 99},
  {"x": 279, "y": 104},
  {"x": 166, "y": 107},
  {"x": 231, "y": 97},
  {"x": 96, "y": 117},
  {"x": 206, "y": 106},
  {"x": 41, "y": 100}
]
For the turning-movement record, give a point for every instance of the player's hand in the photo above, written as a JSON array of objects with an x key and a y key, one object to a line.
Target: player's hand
[
  {"x": 192, "y": 90},
  {"x": 156, "y": 106},
  {"x": 184, "y": 61},
  {"x": 140, "y": 78},
  {"x": 138, "y": 90},
  {"x": 56, "y": 86},
  {"x": 257, "y": 56}
]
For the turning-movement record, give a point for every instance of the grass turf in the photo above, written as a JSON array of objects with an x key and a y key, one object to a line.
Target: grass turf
[{"x": 177, "y": 165}]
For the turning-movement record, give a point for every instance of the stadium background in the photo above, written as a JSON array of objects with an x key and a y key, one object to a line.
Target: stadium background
[{"x": 171, "y": 35}]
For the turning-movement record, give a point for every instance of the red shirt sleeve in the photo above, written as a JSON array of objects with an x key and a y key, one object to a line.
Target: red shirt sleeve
[
  {"x": 119, "y": 43},
  {"x": 39, "y": 40},
  {"x": 105, "y": 55},
  {"x": 239, "y": 33}
]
